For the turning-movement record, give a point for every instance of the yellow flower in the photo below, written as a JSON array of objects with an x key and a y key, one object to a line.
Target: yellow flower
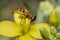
[
  {"x": 26, "y": 37},
  {"x": 34, "y": 30},
  {"x": 10, "y": 29},
  {"x": 54, "y": 17}
]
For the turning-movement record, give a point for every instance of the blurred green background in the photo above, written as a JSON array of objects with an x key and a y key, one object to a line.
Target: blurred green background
[{"x": 7, "y": 7}]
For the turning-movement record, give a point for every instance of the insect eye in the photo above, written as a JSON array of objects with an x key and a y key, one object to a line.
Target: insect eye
[
  {"x": 23, "y": 11},
  {"x": 33, "y": 18}
]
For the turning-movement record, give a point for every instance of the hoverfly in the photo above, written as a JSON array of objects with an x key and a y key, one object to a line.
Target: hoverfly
[{"x": 27, "y": 13}]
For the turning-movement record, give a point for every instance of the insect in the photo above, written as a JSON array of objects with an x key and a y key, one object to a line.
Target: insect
[{"x": 26, "y": 13}]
